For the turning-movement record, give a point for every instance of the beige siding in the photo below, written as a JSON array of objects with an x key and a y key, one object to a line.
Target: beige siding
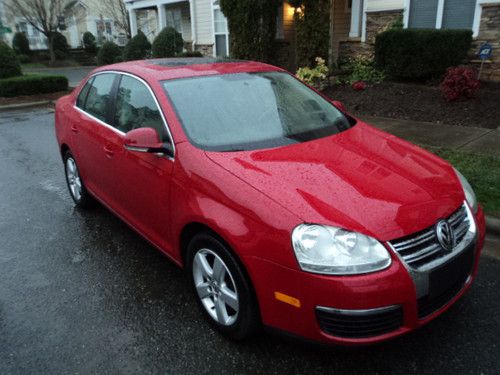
[
  {"x": 341, "y": 24},
  {"x": 375, "y": 5},
  {"x": 204, "y": 22}
]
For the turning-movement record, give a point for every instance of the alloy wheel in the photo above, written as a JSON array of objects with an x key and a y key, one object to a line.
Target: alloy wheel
[{"x": 215, "y": 287}]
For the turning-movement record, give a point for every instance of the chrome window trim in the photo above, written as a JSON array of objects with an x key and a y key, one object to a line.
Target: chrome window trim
[{"x": 165, "y": 123}]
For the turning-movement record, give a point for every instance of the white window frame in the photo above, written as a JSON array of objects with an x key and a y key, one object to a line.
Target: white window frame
[
  {"x": 216, "y": 6},
  {"x": 440, "y": 10}
]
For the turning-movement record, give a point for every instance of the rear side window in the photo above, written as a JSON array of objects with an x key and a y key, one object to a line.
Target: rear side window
[
  {"x": 80, "y": 101},
  {"x": 136, "y": 108},
  {"x": 99, "y": 96}
]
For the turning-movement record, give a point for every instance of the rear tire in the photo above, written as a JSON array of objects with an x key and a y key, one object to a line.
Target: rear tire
[
  {"x": 76, "y": 187},
  {"x": 221, "y": 287}
]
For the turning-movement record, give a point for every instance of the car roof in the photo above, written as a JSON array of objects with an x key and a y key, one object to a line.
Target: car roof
[{"x": 173, "y": 68}]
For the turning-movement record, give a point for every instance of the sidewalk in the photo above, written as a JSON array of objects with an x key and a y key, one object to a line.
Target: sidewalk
[{"x": 481, "y": 140}]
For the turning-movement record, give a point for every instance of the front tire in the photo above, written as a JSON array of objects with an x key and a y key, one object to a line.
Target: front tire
[
  {"x": 221, "y": 287},
  {"x": 76, "y": 187}
]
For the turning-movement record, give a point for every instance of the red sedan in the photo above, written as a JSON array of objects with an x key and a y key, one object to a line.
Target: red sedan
[{"x": 284, "y": 210}]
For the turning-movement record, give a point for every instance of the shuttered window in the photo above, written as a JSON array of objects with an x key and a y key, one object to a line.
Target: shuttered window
[
  {"x": 423, "y": 14},
  {"x": 458, "y": 14}
]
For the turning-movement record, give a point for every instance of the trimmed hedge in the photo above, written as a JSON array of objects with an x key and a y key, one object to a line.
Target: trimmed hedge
[
  {"x": 32, "y": 84},
  {"x": 168, "y": 43},
  {"x": 20, "y": 44},
  {"x": 109, "y": 53},
  {"x": 9, "y": 64},
  {"x": 137, "y": 48},
  {"x": 420, "y": 54}
]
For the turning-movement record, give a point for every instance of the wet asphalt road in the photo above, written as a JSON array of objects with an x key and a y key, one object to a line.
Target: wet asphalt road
[{"x": 82, "y": 293}]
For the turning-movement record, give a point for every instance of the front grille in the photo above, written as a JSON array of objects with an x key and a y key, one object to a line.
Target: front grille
[
  {"x": 359, "y": 323},
  {"x": 446, "y": 281},
  {"x": 422, "y": 247}
]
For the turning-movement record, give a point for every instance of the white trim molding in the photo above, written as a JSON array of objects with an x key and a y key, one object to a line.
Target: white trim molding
[
  {"x": 439, "y": 14},
  {"x": 477, "y": 15}
]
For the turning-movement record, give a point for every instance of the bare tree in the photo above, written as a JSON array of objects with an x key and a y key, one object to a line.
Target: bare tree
[
  {"x": 43, "y": 15},
  {"x": 116, "y": 10}
]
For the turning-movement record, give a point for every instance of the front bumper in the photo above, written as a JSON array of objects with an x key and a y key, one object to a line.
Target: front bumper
[{"x": 387, "y": 299}]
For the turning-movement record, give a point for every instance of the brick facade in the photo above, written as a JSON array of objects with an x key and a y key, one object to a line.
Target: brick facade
[
  {"x": 205, "y": 49},
  {"x": 376, "y": 22},
  {"x": 489, "y": 31}
]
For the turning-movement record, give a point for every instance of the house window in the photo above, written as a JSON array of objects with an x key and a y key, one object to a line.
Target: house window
[
  {"x": 423, "y": 14},
  {"x": 221, "y": 33},
  {"x": 174, "y": 19},
  {"x": 458, "y": 14},
  {"x": 451, "y": 14}
]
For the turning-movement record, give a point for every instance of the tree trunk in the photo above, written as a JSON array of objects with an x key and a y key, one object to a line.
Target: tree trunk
[{"x": 52, "y": 54}]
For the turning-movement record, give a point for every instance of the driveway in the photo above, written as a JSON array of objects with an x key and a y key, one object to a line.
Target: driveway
[
  {"x": 80, "y": 292},
  {"x": 74, "y": 74}
]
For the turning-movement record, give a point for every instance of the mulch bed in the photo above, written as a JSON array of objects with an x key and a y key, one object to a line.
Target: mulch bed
[
  {"x": 33, "y": 98},
  {"x": 422, "y": 103}
]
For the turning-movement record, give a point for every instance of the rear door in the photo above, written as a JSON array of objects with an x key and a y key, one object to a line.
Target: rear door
[{"x": 96, "y": 137}]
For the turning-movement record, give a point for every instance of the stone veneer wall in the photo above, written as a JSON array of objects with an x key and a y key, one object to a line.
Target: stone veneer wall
[
  {"x": 205, "y": 49},
  {"x": 376, "y": 22},
  {"x": 489, "y": 31}
]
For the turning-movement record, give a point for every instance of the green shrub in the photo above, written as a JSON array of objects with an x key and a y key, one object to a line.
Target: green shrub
[
  {"x": 190, "y": 54},
  {"x": 362, "y": 69},
  {"x": 252, "y": 25},
  {"x": 168, "y": 43},
  {"x": 420, "y": 54},
  {"x": 317, "y": 76},
  {"x": 9, "y": 64},
  {"x": 313, "y": 30},
  {"x": 43, "y": 56},
  {"x": 109, "y": 53},
  {"x": 89, "y": 42},
  {"x": 60, "y": 44},
  {"x": 21, "y": 44},
  {"x": 32, "y": 84},
  {"x": 24, "y": 59},
  {"x": 137, "y": 48}
]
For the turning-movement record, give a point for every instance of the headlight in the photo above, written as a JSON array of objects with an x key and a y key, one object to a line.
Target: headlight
[
  {"x": 470, "y": 196},
  {"x": 334, "y": 251}
]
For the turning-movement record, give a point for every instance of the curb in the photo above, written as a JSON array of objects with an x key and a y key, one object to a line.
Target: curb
[
  {"x": 492, "y": 225},
  {"x": 25, "y": 105}
]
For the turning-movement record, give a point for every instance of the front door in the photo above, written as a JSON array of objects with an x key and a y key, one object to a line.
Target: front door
[{"x": 141, "y": 180}]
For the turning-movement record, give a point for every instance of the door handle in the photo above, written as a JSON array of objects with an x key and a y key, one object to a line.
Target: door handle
[
  {"x": 74, "y": 129},
  {"x": 108, "y": 151}
]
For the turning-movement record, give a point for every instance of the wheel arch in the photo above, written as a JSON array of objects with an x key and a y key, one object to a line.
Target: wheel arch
[{"x": 193, "y": 228}]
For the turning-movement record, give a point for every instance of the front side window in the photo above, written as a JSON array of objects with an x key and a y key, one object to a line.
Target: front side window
[
  {"x": 248, "y": 111},
  {"x": 136, "y": 108},
  {"x": 99, "y": 95}
]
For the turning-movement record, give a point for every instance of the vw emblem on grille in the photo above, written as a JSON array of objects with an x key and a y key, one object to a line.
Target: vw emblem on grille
[{"x": 445, "y": 235}]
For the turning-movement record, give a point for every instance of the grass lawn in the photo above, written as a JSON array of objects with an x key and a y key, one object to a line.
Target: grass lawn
[
  {"x": 32, "y": 66},
  {"x": 482, "y": 172}
]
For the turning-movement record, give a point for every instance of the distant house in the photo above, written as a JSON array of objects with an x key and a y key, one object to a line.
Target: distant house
[
  {"x": 201, "y": 22},
  {"x": 78, "y": 17}
]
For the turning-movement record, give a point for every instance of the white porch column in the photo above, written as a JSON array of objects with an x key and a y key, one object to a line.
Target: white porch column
[
  {"x": 356, "y": 7},
  {"x": 162, "y": 17},
  {"x": 133, "y": 22}
]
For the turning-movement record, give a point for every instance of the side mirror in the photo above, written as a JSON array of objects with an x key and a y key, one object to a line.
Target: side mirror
[
  {"x": 147, "y": 140},
  {"x": 339, "y": 105}
]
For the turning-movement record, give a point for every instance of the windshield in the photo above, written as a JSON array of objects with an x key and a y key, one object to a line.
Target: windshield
[{"x": 249, "y": 111}]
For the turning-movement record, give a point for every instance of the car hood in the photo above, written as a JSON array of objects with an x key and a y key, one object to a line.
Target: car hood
[{"x": 362, "y": 179}]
